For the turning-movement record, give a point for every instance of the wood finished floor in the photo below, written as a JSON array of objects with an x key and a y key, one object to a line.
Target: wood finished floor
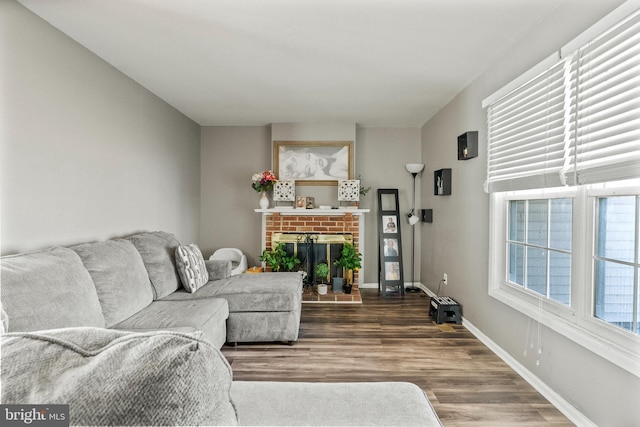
[{"x": 394, "y": 339}]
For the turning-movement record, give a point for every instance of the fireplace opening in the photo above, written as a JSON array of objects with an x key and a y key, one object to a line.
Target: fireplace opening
[{"x": 313, "y": 249}]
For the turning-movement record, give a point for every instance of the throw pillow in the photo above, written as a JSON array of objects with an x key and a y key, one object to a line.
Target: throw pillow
[
  {"x": 120, "y": 278},
  {"x": 191, "y": 267},
  {"x": 110, "y": 377}
]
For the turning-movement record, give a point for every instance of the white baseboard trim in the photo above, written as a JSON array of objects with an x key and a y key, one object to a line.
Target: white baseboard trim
[
  {"x": 406, "y": 285},
  {"x": 368, "y": 286},
  {"x": 569, "y": 411}
]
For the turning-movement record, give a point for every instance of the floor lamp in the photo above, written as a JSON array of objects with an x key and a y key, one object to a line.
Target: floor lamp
[{"x": 414, "y": 169}]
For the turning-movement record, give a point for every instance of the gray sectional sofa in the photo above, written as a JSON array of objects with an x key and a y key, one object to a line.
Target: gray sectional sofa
[
  {"x": 133, "y": 284},
  {"x": 108, "y": 329}
]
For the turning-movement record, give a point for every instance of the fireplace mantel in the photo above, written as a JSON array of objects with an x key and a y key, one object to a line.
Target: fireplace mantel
[
  {"x": 320, "y": 221},
  {"x": 297, "y": 211}
]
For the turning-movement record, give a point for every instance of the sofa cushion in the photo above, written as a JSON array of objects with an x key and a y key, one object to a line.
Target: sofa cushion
[
  {"x": 252, "y": 292},
  {"x": 112, "y": 377},
  {"x": 48, "y": 289},
  {"x": 335, "y": 404},
  {"x": 218, "y": 268},
  {"x": 208, "y": 316},
  {"x": 120, "y": 278},
  {"x": 191, "y": 268},
  {"x": 158, "y": 251}
]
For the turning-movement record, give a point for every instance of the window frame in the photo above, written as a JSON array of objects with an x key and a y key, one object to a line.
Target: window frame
[
  {"x": 597, "y": 325},
  {"x": 526, "y": 244},
  {"x": 577, "y": 321}
]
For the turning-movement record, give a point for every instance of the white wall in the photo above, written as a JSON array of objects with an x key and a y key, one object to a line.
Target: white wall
[
  {"x": 86, "y": 153},
  {"x": 457, "y": 241}
]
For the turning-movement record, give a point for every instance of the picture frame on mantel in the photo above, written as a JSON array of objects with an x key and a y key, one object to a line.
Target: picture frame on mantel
[{"x": 313, "y": 162}]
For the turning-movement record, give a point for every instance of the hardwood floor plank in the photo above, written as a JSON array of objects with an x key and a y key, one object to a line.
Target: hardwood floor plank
[{"x": 394, "y": 339}]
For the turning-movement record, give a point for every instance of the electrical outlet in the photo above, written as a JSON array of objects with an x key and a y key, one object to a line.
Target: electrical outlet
[{"x": 444, "y": 278}]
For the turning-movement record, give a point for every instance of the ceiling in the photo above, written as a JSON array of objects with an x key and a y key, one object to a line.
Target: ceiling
[{"x": 254, "y": 62}]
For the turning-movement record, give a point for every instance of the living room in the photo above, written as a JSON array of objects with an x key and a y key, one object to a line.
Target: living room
[{"x": 89, "y": 154}]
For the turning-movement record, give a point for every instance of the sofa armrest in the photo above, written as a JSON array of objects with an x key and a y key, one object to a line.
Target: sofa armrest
[
  {"x": 218, "y": 269},
  {"x": 105, "y": 376}
]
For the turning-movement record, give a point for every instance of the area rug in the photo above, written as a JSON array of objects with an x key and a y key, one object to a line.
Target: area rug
[{"x": 309, "y": 296}]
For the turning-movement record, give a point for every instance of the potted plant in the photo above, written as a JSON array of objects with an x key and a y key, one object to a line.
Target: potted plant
[
  {"x": 363, "y": 190},
  {"x": 322, "y": 271},
  {"x": 349, "y": 260},
  {"x": 278, "y": 259},
  {"x": 338, "y": 283}
]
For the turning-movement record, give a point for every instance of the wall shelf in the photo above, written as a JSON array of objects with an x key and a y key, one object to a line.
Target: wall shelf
[
  {"x": 468, "y": 145},
  {"x": 442, "y": 182}
]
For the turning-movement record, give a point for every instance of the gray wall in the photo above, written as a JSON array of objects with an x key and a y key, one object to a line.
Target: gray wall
[
  {"x": 457, "y": 242},
  {"x": 382, "y": 154},
  {"x": 86, "y": 153},
  {"x": 230, "y": 155}
]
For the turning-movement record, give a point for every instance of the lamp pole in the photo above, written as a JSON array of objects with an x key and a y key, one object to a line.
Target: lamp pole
[
  {"x": 414, "y": 169},
  {"x": 413, "y": 288}
]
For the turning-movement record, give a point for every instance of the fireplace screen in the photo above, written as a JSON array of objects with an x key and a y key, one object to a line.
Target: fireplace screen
[{"x": 313, "y": 249}]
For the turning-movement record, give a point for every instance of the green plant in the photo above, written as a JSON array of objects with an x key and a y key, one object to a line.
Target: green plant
[
  {"x": 363, "y": 190},
  {"x": 349, "y": 259},
  {"x": 278, "y": 259},
  {"x": 322, "y": 271}
]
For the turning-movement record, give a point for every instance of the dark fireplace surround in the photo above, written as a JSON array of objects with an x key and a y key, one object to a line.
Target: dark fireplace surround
[{"x": 312, "y": 249}]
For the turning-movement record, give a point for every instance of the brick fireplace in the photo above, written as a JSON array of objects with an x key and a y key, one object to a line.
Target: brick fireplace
[{"x": 350, "y": 222}]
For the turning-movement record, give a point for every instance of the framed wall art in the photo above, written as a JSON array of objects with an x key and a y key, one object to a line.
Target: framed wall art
[{"x": 313, "y": 162}]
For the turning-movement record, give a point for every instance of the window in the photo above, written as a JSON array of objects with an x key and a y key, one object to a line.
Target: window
[
  {"x": 569, "y": 257},
  {"x": 563, "y": 170},
  {"x": 617, "y": 262},
  {"x": 539, "y": 246}
]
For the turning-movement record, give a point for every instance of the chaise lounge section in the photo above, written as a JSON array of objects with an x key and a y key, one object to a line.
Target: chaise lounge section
[{"x": 262, "y": 307}]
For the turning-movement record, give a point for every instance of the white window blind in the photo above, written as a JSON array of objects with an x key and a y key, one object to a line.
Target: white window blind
[
  {"x": 576, "y": 123},
  {"x": 608, "y": 105},
  {"x": 527, "y": 134}
]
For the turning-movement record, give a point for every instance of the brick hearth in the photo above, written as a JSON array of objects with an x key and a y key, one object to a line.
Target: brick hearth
[{"x": 354, "y": 297}]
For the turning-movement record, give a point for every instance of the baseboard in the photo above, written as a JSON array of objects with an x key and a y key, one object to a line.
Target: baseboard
[
  {"x": 406, "y": 285},
  {"x": 368, "y": 286},
  {"x": 569, "y": 411}
]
